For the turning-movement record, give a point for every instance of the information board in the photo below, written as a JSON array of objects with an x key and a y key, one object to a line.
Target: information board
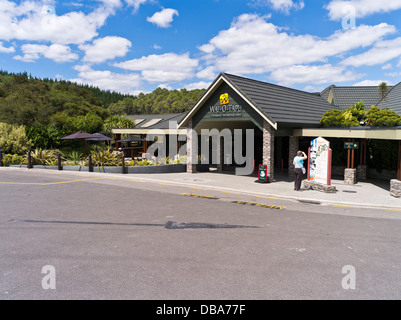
[{"x": 320, "y": 161}]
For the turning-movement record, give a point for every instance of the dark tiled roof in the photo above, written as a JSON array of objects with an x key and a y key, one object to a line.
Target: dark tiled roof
[
  {"x": 281, "y": 104},
  {"x": 345, "y": 97},
  {"x": 392, "y": 100}
]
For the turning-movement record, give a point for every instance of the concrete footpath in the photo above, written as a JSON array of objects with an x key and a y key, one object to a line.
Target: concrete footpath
[{"x": 373, "y": 194}]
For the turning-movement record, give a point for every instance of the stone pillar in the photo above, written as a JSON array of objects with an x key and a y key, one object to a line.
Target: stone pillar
[
  {"x": 350, "y": 176},
  {"x": 294, "y": 148},
  {"x": 268, "y": 149},
  {"x": 192, "y": 148},
  {"x": 220, "y": 153},
  {"x": 395, "y": 188}
]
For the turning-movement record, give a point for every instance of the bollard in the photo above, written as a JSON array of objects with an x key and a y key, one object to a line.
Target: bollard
[
  {"x": 123, "y": 164},
  {"x": 1, "y": 158},
  {"x": 90, "y": 163},
  {"x": 59, "y": 166},
  {"x": 29, "y": 160}
]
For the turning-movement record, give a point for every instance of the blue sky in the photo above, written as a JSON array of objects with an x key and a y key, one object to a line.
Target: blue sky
[{"x": 134, "y": 46}]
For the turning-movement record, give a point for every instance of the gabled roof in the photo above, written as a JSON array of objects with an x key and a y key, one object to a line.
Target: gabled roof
[
  {"x": 282, "y": 104},
  {"x": 392, "y": 100},
  {"x": 276, "y": 104},
  {"x": 345, "y": 97}
]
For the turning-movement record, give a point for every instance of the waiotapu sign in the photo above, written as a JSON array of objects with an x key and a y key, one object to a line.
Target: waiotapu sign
[{"x": 225, "y": 109}]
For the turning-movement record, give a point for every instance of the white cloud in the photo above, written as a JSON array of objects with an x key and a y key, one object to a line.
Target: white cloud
[
  {"x": 197, "y": 85},
  {"x": 282, "y": 5},
  {"x": 372, "y": 83},
  {"x": 156, "y": 47},
  {"x": 107, "y": 80},
  {"x": 393, "y": 74},
  {"x": 387, "y": 66},
  {"x": 137, "y": 3},
  {"x": 168, "y": 67},
  {"x": 56, "y": 52},
  {"x": 105, "y": 48},
  {"x": 208, "y": 73},
  {"x": 252, "y": 45},
  {"x": 319, "y": 74},
  {"x": 38, "y": 21},
  {"x": 6, "y": 50},
  {"x": 163, "y": 18},
  {"x": 382, "y": 52},
  {"x": 363, "y": 8}
]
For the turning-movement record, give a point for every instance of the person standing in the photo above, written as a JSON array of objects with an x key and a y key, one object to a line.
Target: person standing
[{"x": 299, "y": 169}]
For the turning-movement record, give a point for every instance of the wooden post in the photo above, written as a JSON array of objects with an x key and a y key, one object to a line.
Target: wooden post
[
  {"x": 349, "y": 157},
  {"x": 353, "y": 157},
  {"x": 399, "y": 161},
  {"x": 118, "y": 144},
  {"x": 365, "y": 144}
]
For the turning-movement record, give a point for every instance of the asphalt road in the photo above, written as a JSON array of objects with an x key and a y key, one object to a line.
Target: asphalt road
[{"x": 111, "y": 238}]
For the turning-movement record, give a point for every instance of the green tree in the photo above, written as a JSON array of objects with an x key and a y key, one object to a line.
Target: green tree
[
  {"x": 13, "y": 139},
  {"x": 383, "y": 90},
  {"x": 118, "y": 122}
]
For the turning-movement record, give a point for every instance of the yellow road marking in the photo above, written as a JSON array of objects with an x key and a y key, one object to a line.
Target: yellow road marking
[
  {"x": 198, "y": 189},
  {"x": 271, "y": 198},
  {"x": 393, "y": 210},
  {"x": 347, "y": 207},
  {"x": 197, "y": 196},
  {"x": 138, "y": 181},
  {"x": 50, "y": 183},
  {"x": 262, "y": 205},
  {"x": 166, "y": 184},
  {"x": 230, "y": 192}
]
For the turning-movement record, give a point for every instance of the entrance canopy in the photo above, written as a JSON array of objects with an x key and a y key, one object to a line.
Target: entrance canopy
[{"x": 380, "y": 133}]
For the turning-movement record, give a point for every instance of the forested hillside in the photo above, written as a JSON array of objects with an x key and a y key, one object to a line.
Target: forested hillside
[
  {"x": 25, "y": 100},
  {"x": 50, "y": 109},
  {"x": 159, "y": 101}
]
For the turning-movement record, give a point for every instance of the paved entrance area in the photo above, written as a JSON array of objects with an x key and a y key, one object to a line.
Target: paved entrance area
[{"x": 372, "y": 193}]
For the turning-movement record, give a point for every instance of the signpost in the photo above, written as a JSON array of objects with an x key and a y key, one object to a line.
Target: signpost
[
  {"x": 319, "y": 161},
  {"x": 351, "y": 146}
]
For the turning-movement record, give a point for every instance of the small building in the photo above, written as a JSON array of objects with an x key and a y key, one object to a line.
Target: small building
[{"x": 279, "y": 117}]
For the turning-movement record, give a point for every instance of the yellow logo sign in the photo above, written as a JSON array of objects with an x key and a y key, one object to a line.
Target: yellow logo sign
[{"x": 224, "y": 99}]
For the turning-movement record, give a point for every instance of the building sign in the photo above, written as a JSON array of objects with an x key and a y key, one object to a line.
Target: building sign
[
  {"x": 320, "y": 161},
  {"x": 225, "y": 109}
]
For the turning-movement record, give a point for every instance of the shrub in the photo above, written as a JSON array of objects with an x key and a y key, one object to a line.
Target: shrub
[
  {"x": 44, "y": 157},
  {"x": 13, "y": 139},
  {"x": 13, "y": 159}
]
